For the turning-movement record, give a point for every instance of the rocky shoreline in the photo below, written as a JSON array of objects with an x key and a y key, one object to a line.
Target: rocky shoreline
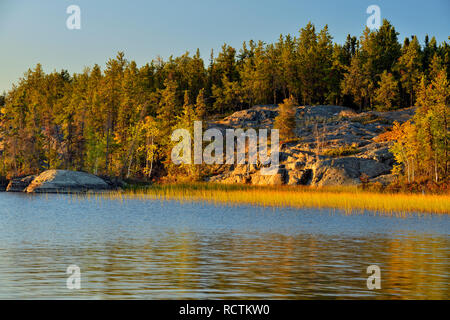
[
  {"x": 60, "y": 181},
  {"x": 335, "y": 146}
]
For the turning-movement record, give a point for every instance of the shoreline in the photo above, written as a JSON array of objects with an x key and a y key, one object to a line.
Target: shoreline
[{"x": 350, "y": 199}]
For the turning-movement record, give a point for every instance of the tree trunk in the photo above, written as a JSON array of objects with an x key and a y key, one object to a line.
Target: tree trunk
[
  {"x": 151, "y": 162},
  {"x": 129, "y": 167},
  {"x": 435, "y": 166},
  {"x": 129, "y": 157},
  {"x": 108, "y": 133}
]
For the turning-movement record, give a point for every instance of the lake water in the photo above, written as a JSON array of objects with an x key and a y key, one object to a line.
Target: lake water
[{"x": 170, "y": 250}]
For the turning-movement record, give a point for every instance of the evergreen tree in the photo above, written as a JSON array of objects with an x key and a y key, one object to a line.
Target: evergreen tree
[
  {"x": 285, "y": 122},
  {"x": 379, "y": 51},
  {"x": 119, "y": 121},
  {"x": 422, "y": 146},
  {"x": 200, "y": 106},
  {"x": 429, "y": 51},
  {"x": 168, "y": 110},
  {"x": 409, "y": 66},
  {"x": 111, "y": 96},
  {"x": 228, "y": 97},
  {"x": 307, "y": 67},
  {"x": 356, "y": 82},
  {"x": 387, "y": 93}
]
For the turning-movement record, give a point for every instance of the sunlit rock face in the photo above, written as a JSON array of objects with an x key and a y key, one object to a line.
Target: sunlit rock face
[
  {"x": 65, "y": 181},
  {"x": 19, "y": 184},
  {"x": 334, "y": 146}
]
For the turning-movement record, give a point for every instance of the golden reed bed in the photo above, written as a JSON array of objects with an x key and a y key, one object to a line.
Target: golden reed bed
[{"x": 351, "y": 200}]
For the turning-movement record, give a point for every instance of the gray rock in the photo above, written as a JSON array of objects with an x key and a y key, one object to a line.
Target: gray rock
[
  {"x": 64, "y": 181},
  {"x": 230, "y": 178},
  {"x": 373, "y": 168},
  {"x": 295, "y": 165},
  {"x": 272, "y": 180},
  {"x": 293, "y": 179},
  {"x": 346, "y": 171},
  {"x": 385, "y": 179},
  {"x": 379, "y": 152},
  {"x": 19, "y": 184},
  {"x": 279, "y": 169},
  {"x": 400, "y": 115},
  {"x": 252, "y": 117},
  {"x": 299, "y": 177},
  {"x": 320, "y": 128},
  {"x": 335, "y": 176}
]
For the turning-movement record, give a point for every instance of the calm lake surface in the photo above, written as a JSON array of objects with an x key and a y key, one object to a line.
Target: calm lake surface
[{"x": 170, "y": 250}]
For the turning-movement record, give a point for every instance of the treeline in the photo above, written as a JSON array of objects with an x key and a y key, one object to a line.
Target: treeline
[
  {"x": 422, "y": 145},
  {"x": 118, "y": 121}
]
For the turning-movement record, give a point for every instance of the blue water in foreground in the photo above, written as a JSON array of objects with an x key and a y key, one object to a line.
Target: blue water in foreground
[{"x": 138, "y": 249}]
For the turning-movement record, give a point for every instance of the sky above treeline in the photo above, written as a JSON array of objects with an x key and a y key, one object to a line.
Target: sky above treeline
[{"x": 34, "y": 32}]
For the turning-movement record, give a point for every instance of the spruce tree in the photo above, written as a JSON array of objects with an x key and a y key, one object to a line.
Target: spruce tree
[
  {"x": 200, "y": 106},
  {"x": 409, "y": 66},
  {"x": 168, "y": 109},
  {"x": 387, "y": 93},
  {"x": 285, "y": 122}
]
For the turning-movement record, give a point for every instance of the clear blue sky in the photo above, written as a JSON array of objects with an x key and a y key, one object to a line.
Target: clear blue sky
[{"x": 35, "y": 31}]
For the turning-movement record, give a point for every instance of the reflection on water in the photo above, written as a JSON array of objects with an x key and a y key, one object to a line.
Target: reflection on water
[{"x": 154, "y": 250}]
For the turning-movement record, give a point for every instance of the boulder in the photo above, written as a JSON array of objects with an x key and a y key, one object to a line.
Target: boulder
[
  {"x": 373, "y": 168},
  {"x": 320, "y": 128},
  {"x": 273, "y": 170},
  {"x": 65, "y": 181},
  {"x": 236, "y": 179},
  {"x": 333, "y": 176},
  {"x": 277, "y": 179},
  {"x": 276, "y": 175},
  {"x": 230, "y": 178},
  {"x": 268, "y": 180},
  {"x": 292, "y": 179},
  {"x": 296, "y": 177},
  {"x": 385, "y": 179},
  {"x": 346, "y": 171},
  {"x": 19, "y": 184},
  {"x": 378, "y": 152},
  {"x": 114, "y": 182},
  {"x": 297, "y": 165}
]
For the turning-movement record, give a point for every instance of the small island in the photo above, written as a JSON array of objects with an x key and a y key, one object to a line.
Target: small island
[
  {"x": 349, "y": 120},
  {"x": 311, "y": 164}
]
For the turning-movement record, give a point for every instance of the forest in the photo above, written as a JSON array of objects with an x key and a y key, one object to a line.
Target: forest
[{"x": 117, "y": 121}]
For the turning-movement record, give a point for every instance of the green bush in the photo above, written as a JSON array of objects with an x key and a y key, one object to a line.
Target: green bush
[{"x": 345, "y": 150}]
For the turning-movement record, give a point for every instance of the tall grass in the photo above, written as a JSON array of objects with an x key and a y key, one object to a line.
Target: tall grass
[{"x": 350, "y": 199}]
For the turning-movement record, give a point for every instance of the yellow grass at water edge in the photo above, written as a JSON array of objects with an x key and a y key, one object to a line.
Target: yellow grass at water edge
[{"x": 348, "y": 199}]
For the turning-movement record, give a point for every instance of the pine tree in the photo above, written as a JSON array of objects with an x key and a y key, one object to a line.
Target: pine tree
[
  {"x": 356, "y": 82},
  {"x": 168, "y": 109},
  {"x": 409, "y": 66},
  {"x": 387, "y": 93},
  {"x": 307, "y": 63},
  {"x": 429, "y": 51},
  {"x": 324, "y": 65},
  {"x": 379, "y": 51},
  {"x": 285, "y": 122},
  {"x": 422, "y": 145},
  {"x": 435, "y": 66},
  {"x": 228, "y": 97},
  {"x": 119, "y": 121},
  {"x": 200, "y": 106},
  {"x": 289, "y": 67},
  {"x": 111, "y": 97}
]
